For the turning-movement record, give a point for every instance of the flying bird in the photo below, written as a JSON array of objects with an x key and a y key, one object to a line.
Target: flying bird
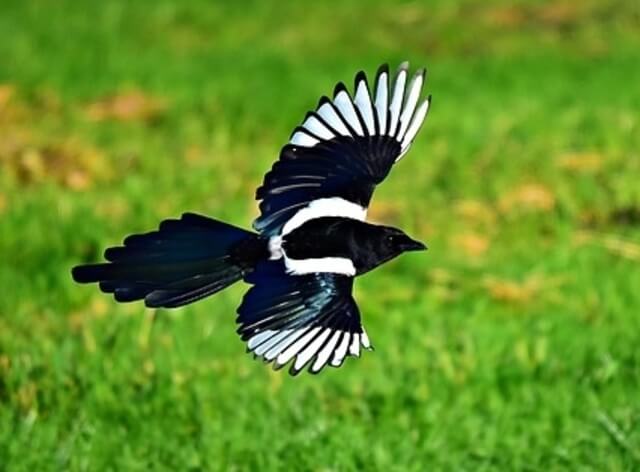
[{"x": 311, "y": 238}]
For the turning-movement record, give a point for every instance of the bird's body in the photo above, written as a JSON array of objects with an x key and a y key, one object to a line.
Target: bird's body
[
  {"x": 355, "y": 245},
  {"x": 312, "y": 237}
]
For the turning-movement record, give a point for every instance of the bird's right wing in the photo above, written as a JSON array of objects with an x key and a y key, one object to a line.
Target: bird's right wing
[
  {"x": 341, "y": 151},
  {"x": 311, "y": 319}
]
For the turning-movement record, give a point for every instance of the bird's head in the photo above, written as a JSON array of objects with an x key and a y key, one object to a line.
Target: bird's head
[
  {"x": 388, "y": 244},
  {"x": 396, "y": 242}
]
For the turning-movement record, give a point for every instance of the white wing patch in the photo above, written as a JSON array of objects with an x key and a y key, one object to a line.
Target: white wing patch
[
  {"x": 341, "y": 351},
  {"x": 414, "y": 127},
  {"x": 397, "y": 98},
  {"x": 304, "y": 356},
  {"x": 344, "y": 104},
  {"x": 354, "y": 347},
  {"x": 364, "y": 105},
  {"x": 317, "y": 127},
  {"x": 325, "y": 353},
  {"x": 382, "y": 100},
  {"x": 410, "y": 103},
  {"x": 333, "y": 206},
  {"x": 303, "y": 139},
  {"x": 329, "y": 114},
  {"x": 390, "y": 110},
  {"x": 317, "y": 347}
]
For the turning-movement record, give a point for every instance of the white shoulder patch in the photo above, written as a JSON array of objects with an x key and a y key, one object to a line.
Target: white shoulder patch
[{"x": 333, "y": 206}]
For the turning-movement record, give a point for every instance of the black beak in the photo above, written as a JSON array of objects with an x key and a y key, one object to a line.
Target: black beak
[{"x": 413, "y": 245}]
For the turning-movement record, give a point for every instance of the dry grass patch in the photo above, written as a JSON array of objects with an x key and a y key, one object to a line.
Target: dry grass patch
[{"x": 133, "y": 105}]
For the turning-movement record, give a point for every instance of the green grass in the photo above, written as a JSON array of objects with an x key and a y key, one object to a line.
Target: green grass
[{"x": 511, "y": 344}]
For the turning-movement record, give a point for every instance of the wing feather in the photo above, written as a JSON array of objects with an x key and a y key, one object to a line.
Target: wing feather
[
  {"x": 344, "y": 104},
  {"x": 363, "y": 102},
  {"x": 413, "y": 95},
  {"x": 344, "y": 148},
  {"x": 397, "y": 98},
  {"x": 382, "y": 98},
  {"x": 308, "y": 320}
]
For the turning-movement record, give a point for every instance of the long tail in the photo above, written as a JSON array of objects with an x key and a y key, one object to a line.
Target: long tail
[{"x": 183, "y": 261}]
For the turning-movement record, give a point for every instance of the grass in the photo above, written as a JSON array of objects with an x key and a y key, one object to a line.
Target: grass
[{"x": 512, "y": 344}]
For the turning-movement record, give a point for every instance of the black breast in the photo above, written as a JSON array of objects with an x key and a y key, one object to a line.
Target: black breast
[{"x": 324, "y": 237}]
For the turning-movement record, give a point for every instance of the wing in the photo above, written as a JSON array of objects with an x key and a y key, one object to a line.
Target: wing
[
  {"x": 310, "y": 319},
  {"x": 342, "y": 150}
]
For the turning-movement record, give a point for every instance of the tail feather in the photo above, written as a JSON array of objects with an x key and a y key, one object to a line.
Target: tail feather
[
  {"x": 191, "y": 290},
  {"x": 183, "y": 261}
]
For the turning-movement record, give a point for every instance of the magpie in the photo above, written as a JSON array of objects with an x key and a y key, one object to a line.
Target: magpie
[{"x": 310, "y": 241}]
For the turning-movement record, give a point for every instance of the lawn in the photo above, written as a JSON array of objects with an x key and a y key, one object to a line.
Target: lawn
[{"x": 512, "y": 344}]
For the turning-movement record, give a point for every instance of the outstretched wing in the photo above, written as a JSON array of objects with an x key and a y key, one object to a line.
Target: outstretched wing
[
  {"x": 342, "y": 150},
  {"x": 310, "y": 319}
]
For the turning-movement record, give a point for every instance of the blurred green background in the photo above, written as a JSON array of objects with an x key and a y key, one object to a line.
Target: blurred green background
[{"x": 513, "y": 343}]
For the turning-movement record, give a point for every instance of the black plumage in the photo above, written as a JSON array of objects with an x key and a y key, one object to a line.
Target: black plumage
[
  {"x": 311, "y": 238},
  {"x": 183, "y": 261}
]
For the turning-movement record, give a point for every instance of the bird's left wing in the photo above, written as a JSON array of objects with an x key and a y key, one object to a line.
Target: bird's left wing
[
  {"x": 341, "y": 151},
  {"x": 311, "y": 319}
]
